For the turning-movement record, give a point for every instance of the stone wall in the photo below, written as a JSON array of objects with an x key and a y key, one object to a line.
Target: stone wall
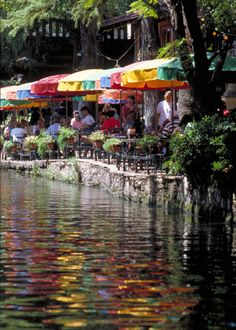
[{"x": 153, "y": 189}]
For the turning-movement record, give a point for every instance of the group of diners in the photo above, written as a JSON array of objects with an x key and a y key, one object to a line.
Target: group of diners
[{"x": 165, "y": 122}]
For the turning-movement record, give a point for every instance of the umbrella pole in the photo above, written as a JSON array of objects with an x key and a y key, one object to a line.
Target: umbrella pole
[
  {"x": 173, "y": 105},
  {"x": 96, "y": 107},
  {"x": 120, "y": 109},
  {"x": 66, "y": 108}
]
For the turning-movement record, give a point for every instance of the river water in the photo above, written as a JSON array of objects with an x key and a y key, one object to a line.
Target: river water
[{"x": 74, "y": 257}]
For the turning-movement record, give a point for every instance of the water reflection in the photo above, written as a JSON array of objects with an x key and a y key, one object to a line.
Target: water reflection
[{"x": 74, "y": 257}]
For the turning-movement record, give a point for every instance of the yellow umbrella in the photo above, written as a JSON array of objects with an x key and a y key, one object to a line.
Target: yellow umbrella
[
  {"x": 74, "y": 81},
  {"x": 143, "y": 75}
]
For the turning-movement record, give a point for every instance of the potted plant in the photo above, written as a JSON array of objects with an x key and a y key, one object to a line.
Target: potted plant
[
  {"x": 66, "y": 136},
  {"x": 148, "y": 143},
  {"x": 44, "y": 142},
  {"x": 8, "y": 145},
  {"x": 112, "y": 145},
  {"x": 97, "y": 138},
  {"x": 1, "y": 142},
  {"x": 30, "y": 142}
]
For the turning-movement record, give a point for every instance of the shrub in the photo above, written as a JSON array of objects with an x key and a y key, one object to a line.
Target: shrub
[
  {"x": 147, "y": 140},
  {"x": 109, "y": 143},
  {"x": 97, "y": 136},
  {"x": 30, "y": 141},
  {"x": 64, "y": 134},
  {"x": 1, "y": 140},
  {"x": 206, "y": 152},
  {"x": 43, "y": 139}
]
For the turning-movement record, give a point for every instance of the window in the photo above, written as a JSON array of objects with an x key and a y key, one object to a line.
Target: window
[
  {"x": 129, "y": 31},
  {"x": 115, "y": 33}
]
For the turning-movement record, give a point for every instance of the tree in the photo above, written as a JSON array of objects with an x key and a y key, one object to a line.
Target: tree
[
  {"x": 183, "y": 15},
  {"x": 207, "y": 155},
  {"x": 19, "y": 17}
]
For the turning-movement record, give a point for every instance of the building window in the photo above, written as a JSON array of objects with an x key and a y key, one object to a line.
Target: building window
[
  {"x": 47, "y": 30},
  {"x": 115, "y": 33},
  {"x": 129, "y": 31},
  {"x": 54, "y": 29},
  {"x": 165, "y": 33},
  {"x": 60, "y": 30},
  {"x": 122, "y": 34}
]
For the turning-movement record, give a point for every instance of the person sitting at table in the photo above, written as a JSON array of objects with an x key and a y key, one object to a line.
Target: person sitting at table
[
  {"x": 110, "y": 124},
  {"x": 88, "y": 121},
  {"x": 129, "y": 113},
  {"x": 103, "y": 115},
  {"x": 54, "y": 128},
  {"x": 76, "y": 122},
  {"x": 18, "y": 133}
]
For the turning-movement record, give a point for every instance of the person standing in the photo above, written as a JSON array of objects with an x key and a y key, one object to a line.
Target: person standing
[{"x": 164, "y": 110}]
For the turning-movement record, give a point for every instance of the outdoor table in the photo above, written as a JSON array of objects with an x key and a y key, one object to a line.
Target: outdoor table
[{"x": 142, "y": 162}]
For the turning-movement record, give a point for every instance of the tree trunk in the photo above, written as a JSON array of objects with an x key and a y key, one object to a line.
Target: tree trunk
[
  {"x": 185, "y": 102},
  {"x": 149, "y": 46},
  {"x": 88, "y": 46}
]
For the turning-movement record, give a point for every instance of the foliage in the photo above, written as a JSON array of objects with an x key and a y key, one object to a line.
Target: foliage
[
  {"x": 64, "y": 134},
  {"x": 96, "y": 10},
  {"x": 145, "y": 8},
  {"x": 219, "y": 14},
  {"x": 147, "y": 140},
  {"x": 1, "y": 140},
  {"x": 8, "y": 145},
  {"x": 183, "y": 17},
  {"x": 111, "y": 142},
  {"x": 206, "y": 151},
  {"x": 30, "y": 140},
  {"x": 43, "y": 139},
  {"x": 97, "y": 136},
  {"x": 19, "y": 18}
]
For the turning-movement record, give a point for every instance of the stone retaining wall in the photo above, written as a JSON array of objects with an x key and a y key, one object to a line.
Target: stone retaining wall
[{"x": 153, "y": 189}]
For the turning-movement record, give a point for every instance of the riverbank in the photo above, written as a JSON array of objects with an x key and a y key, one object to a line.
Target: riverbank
[
  {"x": 152, "y": 189},
  {"x": 157, "y": 189}
]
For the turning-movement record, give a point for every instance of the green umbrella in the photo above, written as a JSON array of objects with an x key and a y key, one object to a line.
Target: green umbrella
[
  {"x": 173, "y": 70},
  {"x": 12, "y": 103}
]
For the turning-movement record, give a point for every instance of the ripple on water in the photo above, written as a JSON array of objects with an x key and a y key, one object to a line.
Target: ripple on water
[{"x": 75, "y": 257}]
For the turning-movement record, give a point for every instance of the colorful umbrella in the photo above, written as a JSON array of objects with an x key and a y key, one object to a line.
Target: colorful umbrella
[
  {"x": 74, "y": 81},
  {"x": 115, "y": 96},
  {"x": 105, "y": 79},
  {"x": 24, "y": 92},
  {"x": 20, "y": 104},
  {"x": 115, "y": 78},
  {"x": 172, "y": 69},
  {"x": 93, "y": 82},
  {"x": 8, "y": 92},
  {"x": 143, "y": 76},
  {"x": 47, "y": 86}
]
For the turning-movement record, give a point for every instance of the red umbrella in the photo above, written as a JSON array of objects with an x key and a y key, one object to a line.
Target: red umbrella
[{"x": 48, "y": 85}]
